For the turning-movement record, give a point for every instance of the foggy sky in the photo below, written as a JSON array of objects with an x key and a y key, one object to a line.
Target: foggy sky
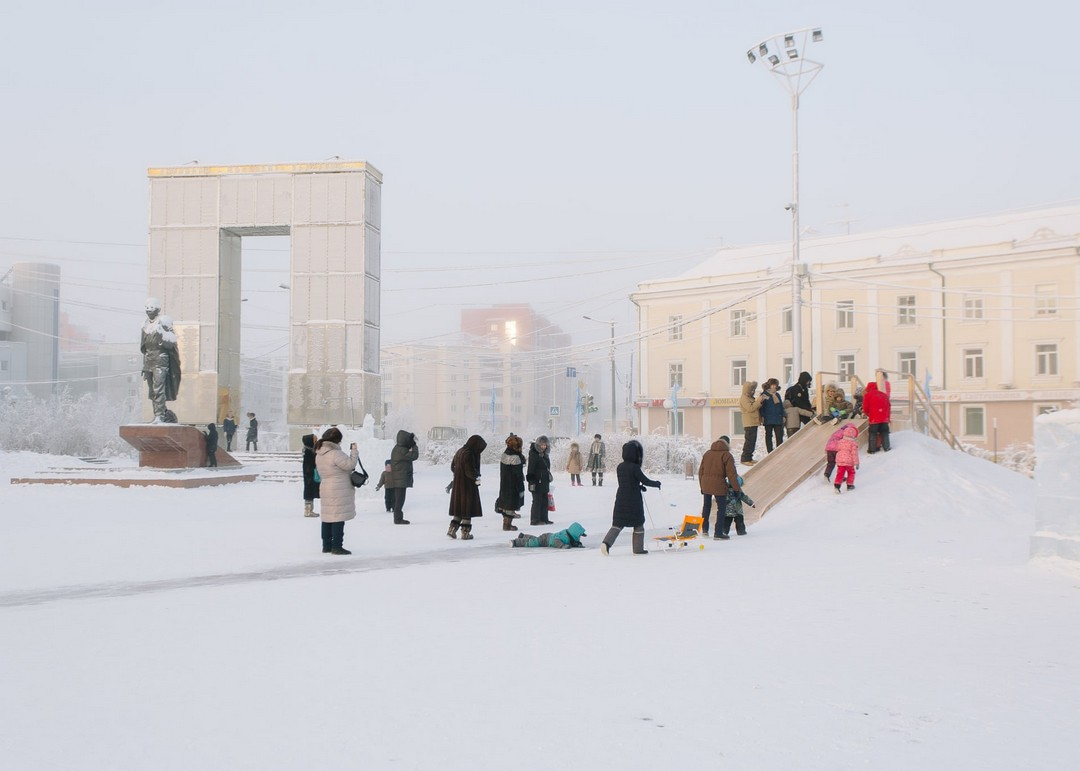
[{"x": 546, "y": 152}]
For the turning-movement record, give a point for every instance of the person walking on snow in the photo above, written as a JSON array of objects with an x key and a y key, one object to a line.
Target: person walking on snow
[
  {"x": 311, "y": 481},
  {"x": 511, "y": 498},
  {"x": 629, "y": 509},
  {"x": 717, "y": 477},
  {"x": 831, "y": 447},
  {"x": 573, "y": 465},
  {"x": 597, "y": 459},
  {"x": 229, "y": 427},
  {"x": 465, "y": 503},
  {"x": 337, "y": 494},
  {"x": 847, "y": 457},
  {"x": 401, "y": 472},
  {"x": 734, "y": 513},
  {"x": 538, "y": 475}
]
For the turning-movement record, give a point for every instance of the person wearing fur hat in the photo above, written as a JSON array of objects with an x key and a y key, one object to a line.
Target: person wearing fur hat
[
  {"x": 772, "y": 414},
  {"x": 629, "y": 510},
  {"x": 538, "y": 475},
  {"x": 465, "y": 503},
  {"x": 570, "y": 538},
  {"x": 597, "y": 459},
  {"x": 847, "y": 457},
  {"x": 573, "y": 465},
  {"x": 511, "y": 498}
]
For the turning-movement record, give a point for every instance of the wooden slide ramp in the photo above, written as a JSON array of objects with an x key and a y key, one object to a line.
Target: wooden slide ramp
[{"x": 786, "y": 467}]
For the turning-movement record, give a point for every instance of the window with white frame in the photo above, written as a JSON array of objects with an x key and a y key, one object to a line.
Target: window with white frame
[
  {"x": 787, "y": 368},
  {"x": 738, "y": 323},
  {"x": 738, "y": 372},
  {"x": 845, "y": 364},
  {"x": 845, "y": 314},
  {"x": 973, "y": 363},
  {"x": 675, "y": 375},
  {"x": 1046, "y": 359},
  {"x": 737, "y": 426},
  {"x": 1046, "y": 300},
  {"x": 973, "y": 308},
  {"x": 974, "y": 421},
  {"x": 907, "y": 363},
  {"x": 787, "y": 320},
  {"x": 905, "y": 310},
  {"x": 674, "y": 328}
]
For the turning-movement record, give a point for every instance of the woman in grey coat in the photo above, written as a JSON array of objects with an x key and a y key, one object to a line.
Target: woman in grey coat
[{"x": 336, "y": 492}]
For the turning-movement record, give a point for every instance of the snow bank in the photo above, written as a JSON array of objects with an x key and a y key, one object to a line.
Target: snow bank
[{"x": 1057, "y": 502}]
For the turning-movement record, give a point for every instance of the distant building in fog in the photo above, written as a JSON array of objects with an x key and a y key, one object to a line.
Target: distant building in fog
[{"x": 29, "y": 327}]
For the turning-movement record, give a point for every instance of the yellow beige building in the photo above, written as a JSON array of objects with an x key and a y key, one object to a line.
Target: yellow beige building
[{"x": 983, "y": 311}]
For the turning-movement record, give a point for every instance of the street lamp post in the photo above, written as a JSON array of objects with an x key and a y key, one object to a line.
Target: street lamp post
[
  {"x": 612, "y": 356},
  {"x": 785, "y": 57}
]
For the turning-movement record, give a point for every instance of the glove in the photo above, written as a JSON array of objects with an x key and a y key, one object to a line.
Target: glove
[
  {"x": 532, "y": 488},
  {"x": 657, "y": 485},
  {"x": 477, "y": 482},
  {"x": 643, "y": 488}
]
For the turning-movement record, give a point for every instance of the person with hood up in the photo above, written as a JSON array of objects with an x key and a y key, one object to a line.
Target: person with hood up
[
  {"x": 384, "y": 485},
  {"x": 847, "y": 457},
  {"x": 751, "y": 419},
  {"x": 211, "y": 445},
  {"x": 573, "y": 465},
  {"x": 252, "y": 433},
  {"x": 311, "y": 481},
  {"x": 794, "y": 417},
  {"x": 717, "y": 477},
  {"x": 229, "y": 427},
  {"x": 401, "y": 471},
  {"x": 597, "y": 459},
  {"x": 570, "y": 538},
  {"x": 511, "y": 498},
  {"x": 336, "y": 492},
  {"x": 538, "y": 475},
  {"x": 799, "y": 396},
  {"x": 465, "y": 489},
  {"x": 831, "y": 447},
  {"x": 629, "y": 509},
  {"x": 878, "y": 411},
  {"x": 840, "y": 408},
  {"x": 772, "y": 414}
]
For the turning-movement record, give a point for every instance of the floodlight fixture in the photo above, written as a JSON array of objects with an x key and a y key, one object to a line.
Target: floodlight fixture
[
  {"x": 750, "y": 56},
  {"x": 763, "y": 49},
  {"x": 816, "y": 36},
  {"x": 793, "y": 53},
  {"x": 774, "y": 59},
  {"x": 789, "y": 41}
]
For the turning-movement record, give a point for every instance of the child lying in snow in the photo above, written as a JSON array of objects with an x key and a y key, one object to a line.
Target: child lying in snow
[{"x": 564, "y": 539}]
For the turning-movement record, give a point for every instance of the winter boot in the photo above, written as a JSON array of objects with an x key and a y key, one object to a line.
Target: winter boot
[
  {"x": 594, "y": 479},
  {"x": 454, "y": 525},
  {"x": 466, "y": 531},
  {"x": 309, "y": 509},
  {"x": 722, "y": 532},
  {"x": 609, "y": 540},
  {"x": 740, "y": 525},
  {"x": 601, "y": 482},
  {"x": 851, "y": 487},
  {"x": 507, "y": 523},
  {"x": 639, "y": 542},
  {"x": 401, "y": 521},
  {"x": 326, "y": 536},
  {"x": 337, "y": 530},
  {"x": 837, "y": 488}
]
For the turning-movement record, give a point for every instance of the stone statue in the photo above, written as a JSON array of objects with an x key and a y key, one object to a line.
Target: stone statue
[{"x": 161, "y": 361}]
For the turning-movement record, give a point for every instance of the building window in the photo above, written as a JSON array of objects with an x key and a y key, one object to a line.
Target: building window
[
  {"x": 1046, "y": 359},
  {"x": 453, "y": 408},
  {"x": 786, "y": 320},
  {"x": 738, "y": 323},
  {"x": 787, "y": 367},
  {"x": 845, "y": 314},
  {"x": 674, "y": 328},
  {"x": 3, "y": 366},
  {"x": 973, "y": 363},
  {"x": 1046, "y": 300},
  {"x": 736, "y": 423},
  {"x": 973, "y": 308},
  {"x": 845, "y": 364},
  {"x": 974, "y": 421},
  {"x": 678, "y": 420},
  {"x": 907, "y": 363},
  {"x": 738, "y": 372},
  {"x": 905, "y": 310},
  {"x": 674, "y": 375}
]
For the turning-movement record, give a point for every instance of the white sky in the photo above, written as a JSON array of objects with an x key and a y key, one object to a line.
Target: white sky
[{"x": 525, "y": 146}]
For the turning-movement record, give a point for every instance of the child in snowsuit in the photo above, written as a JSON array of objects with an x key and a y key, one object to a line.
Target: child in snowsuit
[
  {"x": 847, "y": 457},
  {"x": 573, "y": 465},
  {"x": 570, "y": 538},
  {"x": 793, "y": 417},
  {"x": 629, "y": 509},
  {"x": 733, "y": 512},
  {"x": 840, "y": 408},
  {"x": 831, "y": 447},
  {"x": 384, "y": 482}
]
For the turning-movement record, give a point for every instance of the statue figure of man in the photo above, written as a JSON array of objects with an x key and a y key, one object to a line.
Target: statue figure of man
[{"x": 161, "y": 361}]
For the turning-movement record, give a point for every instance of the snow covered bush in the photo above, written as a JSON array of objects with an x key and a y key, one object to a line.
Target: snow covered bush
[
  {"x": 63, "y": 425},
  {"x": 1015, "y": 457}
]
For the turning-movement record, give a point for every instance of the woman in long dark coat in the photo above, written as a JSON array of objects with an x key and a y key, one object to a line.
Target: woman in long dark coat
[
  {"x": 511, "y": 482},
  {"x": 538, "y": 476},
  {"x": 629, "y": 509},
  {"x": 211, "y": 445},
  {"x": 311, "y": 487},
  {"x": 465, "y": 489}
]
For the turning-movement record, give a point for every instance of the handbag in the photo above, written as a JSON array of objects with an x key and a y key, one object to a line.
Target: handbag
[
  {"x": 358, "y": 477},
  {"x": 551, "y": 502},
  {"x": 315, "y": 477}
]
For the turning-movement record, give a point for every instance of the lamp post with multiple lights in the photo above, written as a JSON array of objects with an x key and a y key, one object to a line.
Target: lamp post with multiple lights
[{"x": 785, "y": 57}]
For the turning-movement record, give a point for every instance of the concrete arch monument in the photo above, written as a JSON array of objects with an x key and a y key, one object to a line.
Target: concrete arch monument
[{"x": 332, "y": 213}]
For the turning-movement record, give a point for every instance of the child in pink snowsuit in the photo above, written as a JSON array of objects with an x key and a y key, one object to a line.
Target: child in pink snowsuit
[
  {"x": 831, "y": 447},
  {"x": 847, "y": 457}
]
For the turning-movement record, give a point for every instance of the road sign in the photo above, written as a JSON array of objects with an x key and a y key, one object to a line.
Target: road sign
[
  {"x": 553, "y": 411},
  {"x": 571, "y": 371}
]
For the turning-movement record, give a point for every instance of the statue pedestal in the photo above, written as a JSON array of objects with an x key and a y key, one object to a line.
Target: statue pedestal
[{"x": 171, "y": 445}]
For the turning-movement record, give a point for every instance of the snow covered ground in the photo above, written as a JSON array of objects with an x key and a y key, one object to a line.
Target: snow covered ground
[{"x": 898, "y": 626}]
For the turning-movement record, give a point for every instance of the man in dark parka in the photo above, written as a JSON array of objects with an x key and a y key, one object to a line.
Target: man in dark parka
[
  {"x": 799, "y": 396},
  {"x": 465, "y": 502},
  {"x": 538, "y": 475},
  {"x": 401, "y": 471}
]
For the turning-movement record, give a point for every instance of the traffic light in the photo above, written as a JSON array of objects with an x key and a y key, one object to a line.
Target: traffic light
[{"x": 590, "y": 406}]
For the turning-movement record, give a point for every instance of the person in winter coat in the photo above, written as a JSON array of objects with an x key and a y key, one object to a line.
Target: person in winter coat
[
  {"x": 384, "y": 485},
  {"x": 831, "y": 447},
  {"x": 840, "y": 408},
  {"x": 573, "y": 465},
  {"x": 750, "y": 406},
  {"x": 511, "y": 498},
  {"x": 538, "y": 475},
  {"x": 465, "y": 503},
  {"x": 629, "y": 510},
  {"x": 859, "y": 391},
  {"x": 794, "y": 417},
  {"x": 847, "y": 457},
  {"x": 229, "y": 427},
  {"x": 878, "y": 411},
  {"x": 401, "y": 472},
  {"x": 211, "y": 445},
  {"x": 772, "y": 414},
  {"x": 734, "y": 513},
  {"x": 597, "y": 459},
  {"x": 311, "y": 484},
  {"x": 717, "y": 477},
  {"x": 252, "y": 433},
  {"x": 570, "y": 538},
  {"x": 799, "y": 396},
  {"x": 336, "y": 492}
]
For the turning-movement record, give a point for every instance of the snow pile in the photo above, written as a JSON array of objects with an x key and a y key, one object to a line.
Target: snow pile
[{"x": 1057, "y": 521}]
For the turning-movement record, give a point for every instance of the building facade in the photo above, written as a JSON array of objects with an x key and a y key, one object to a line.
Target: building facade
[{"x": 984, "y": 312}]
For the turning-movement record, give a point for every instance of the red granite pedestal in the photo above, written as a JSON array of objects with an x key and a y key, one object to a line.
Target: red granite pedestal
[{"x": 171, "y": 445}]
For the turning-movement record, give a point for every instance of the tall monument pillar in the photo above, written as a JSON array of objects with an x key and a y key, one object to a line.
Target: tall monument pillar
[{"x": 332, "y": 213}]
